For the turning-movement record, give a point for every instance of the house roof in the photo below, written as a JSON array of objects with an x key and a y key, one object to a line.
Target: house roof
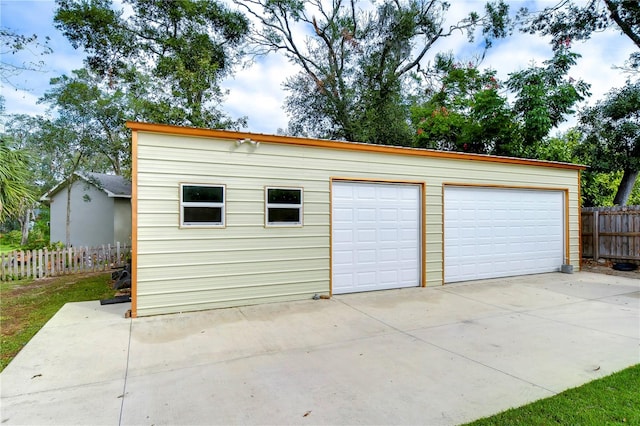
[
  {"x": 112, "y": 185},
  {"x": 332, "y": 144}
]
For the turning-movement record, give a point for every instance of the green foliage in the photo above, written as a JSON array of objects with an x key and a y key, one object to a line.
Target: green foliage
[
  {"x": 100, "y": 112},
  {"x": 12, "y": 238},
  {"x": 577, "y": 20},
  {"x": 355, "y": 65},
  {"x": 466, "y": 113},
  {"x": 611, "y": 400},
  {"x": 545, "y": 95},
  {"x": 39, "y": 235},
  {"x": 170, "y": 54},
  {"x": 612, "y": 130},
  {"x": 612, "y": 136},
  {"x": 16, "y": 193},
  {"x": 561, "y": 148},
  {"x": 471, "y": 112},
  {"x": 600, "y": 189}
]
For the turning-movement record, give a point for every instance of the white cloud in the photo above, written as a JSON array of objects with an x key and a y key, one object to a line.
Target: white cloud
[
  {"x": 27, "y": 18},
  {"x": 256, "y": 91},
  {"x": 22, "y": 102}
]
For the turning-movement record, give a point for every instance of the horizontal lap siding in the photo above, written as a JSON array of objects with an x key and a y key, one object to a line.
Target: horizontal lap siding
[{"x": 191, "y": 269}]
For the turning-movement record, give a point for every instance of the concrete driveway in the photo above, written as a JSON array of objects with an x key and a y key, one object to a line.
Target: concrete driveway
[{"x": 441, "y": 355}]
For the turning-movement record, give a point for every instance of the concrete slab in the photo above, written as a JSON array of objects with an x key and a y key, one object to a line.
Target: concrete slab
[
  {"x": 620, "y": 319},
  {"x": 90, "y": 312},
  {"x": 588, "y": 286},
  {"x": 227, "y": 334},
  {"x": 440, "y": 355},
  {"x": 387, "y": 379},
  {"x": 548, "y": 353},
  {"x": 517, "y": 293},
  {"x": 415, "y": 308},
  {"x": 94, "y": 404},
  {"x": 627, "y": 299},
  {"x": 82, "y": 344}
]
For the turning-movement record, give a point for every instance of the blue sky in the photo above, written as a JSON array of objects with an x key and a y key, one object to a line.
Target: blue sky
[{"x": 256, "y": 91}]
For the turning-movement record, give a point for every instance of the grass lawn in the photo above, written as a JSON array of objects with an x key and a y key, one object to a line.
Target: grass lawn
[
  {"x": 5, "y": 248},
  {"x": 26, "y": 305},
  {"x": 612, "y": 400}
]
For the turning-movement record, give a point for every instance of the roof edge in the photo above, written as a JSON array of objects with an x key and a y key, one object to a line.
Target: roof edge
[
  {"x": 56, "y": 188},
  {"x": 355, "y": 146}
]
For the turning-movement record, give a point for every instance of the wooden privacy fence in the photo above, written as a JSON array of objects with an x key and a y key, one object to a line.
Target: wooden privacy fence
[
  {"x": 611, "y": 233},
  {"x": 73, "y": 260}
]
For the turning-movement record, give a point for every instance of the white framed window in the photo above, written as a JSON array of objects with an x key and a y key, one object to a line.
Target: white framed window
[
  {"x": 283, "y": 206},
  {"x": 202, "y": 205}
]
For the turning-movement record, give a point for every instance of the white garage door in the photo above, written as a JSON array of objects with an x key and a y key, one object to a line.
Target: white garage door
[
  {"x": 491, "y": 232},
  {"x": 375, "y": 236}
]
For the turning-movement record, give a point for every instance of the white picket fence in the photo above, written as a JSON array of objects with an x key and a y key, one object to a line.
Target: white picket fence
[{"x": 42, "y": 263}]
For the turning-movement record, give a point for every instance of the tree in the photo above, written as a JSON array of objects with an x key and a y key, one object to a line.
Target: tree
[
  {"x": 471, "y": 111},
  {"x": 612, "y": 137},
  {"x": 11, "y": 43},
  {"x": 69, "y": 139},
  {"x": 16, "y": 194},
  {"x": 354, "y": 62},
  {"x": 84, "y": 132},
  {"x": 173, "y": 53},
  {"x": 103, "y": 110},
  {"x": 545, "y": 95},
  {"x": 466, "y": 112},
  {"x": 568, "y": 20}
]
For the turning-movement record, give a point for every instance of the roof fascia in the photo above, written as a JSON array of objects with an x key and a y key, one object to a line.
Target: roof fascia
[{"x": 353, "y": 146}]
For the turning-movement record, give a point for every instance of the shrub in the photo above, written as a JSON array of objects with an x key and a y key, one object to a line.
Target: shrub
[{"x": 12, "y": 238}]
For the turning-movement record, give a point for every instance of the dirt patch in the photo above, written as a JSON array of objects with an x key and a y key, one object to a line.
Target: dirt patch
[
  {"x": 18, "y": 288},
  {"x": 589, "y": 265}
]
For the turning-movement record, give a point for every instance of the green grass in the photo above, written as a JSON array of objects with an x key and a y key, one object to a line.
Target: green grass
[
  {"x": 5, "y": 248},
  {"x": 612, "y": 400},
  {"x": 26, "y": 305}
]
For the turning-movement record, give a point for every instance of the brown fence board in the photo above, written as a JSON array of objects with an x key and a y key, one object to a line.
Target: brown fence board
[{"x": 611, "y": 233}]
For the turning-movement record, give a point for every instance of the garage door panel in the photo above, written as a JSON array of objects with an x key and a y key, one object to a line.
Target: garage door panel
[
  {"x": 491, "y": 232},
  {"x": 385, "y": 236}
]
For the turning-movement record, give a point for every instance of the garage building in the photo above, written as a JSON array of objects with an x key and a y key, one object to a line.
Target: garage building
[{"x": 224, "y": 218}]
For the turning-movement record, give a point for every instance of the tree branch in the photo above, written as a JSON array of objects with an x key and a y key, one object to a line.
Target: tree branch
[{"x": 624, "y": 26}]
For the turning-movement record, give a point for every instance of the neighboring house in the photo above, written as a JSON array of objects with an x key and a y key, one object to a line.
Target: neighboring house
[
  {"x": 100, "y": 210},
  {"x": 228, "y": 218}
]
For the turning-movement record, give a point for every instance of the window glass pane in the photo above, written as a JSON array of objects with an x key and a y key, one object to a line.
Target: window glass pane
[
  {"x": 203, "y": 215},
  {"x": 283, "y": 215},
  {"x": 205, "y": 194},
  {"x": 284, "y": 196}
]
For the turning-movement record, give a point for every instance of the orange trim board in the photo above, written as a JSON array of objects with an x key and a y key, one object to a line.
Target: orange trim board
[
  {"x": 134, "y": 224},
  {"x": 579, "y": 207},
  {"x": 423, "y": 221},
  {"x": 352, "y": 146}
]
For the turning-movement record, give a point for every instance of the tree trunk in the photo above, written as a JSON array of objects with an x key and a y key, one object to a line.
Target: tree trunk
[
  {"x": 24, "y": 221},
  {"x": 626, "y": 186},
  {"x": 67, "y": 234}
]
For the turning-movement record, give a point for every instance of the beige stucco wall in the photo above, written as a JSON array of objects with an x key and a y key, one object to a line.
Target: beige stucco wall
[{"x": 245, "y": 262}]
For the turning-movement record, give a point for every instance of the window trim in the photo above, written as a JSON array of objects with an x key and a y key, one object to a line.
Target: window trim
[
  {"x": 268, "y": 205},
  {"x": 222, "y": 205}
]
